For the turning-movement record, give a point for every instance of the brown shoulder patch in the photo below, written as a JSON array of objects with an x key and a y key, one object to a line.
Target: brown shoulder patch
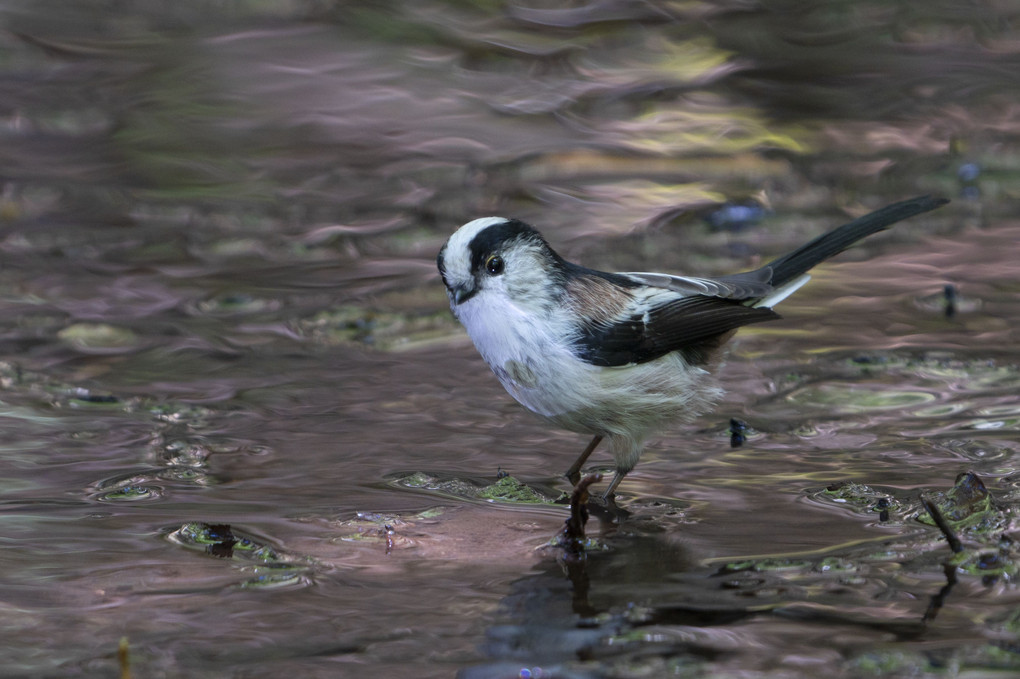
[{"x": 596, "y": 299}]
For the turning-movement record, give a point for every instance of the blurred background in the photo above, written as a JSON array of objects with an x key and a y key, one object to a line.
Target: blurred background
[{"x": 242, "y": 430}]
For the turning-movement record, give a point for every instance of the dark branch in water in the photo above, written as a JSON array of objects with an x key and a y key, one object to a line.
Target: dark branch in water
[
  {"x": 572, "y": 539},
  {"x": 943, "y": 525},
  {"x": 949, "y": 567},
  {"x": 938, "y": 599}
]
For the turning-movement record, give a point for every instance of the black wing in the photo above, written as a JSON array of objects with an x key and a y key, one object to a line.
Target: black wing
[{"x": 690, "y": 324}]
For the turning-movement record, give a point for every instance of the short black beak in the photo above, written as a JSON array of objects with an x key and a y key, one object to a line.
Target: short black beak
[{"x": 462, "y": 293}]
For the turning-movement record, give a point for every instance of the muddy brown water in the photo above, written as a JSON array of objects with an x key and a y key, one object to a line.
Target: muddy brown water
[{"x": 224, "y": 348}]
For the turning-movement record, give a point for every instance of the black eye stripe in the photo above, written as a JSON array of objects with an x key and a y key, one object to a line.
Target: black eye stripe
[{"x": 496, "y": 238}]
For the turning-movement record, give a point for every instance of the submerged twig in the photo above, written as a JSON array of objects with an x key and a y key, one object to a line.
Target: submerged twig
[
  {"x": 573, "y": 542},
  {"x": 572, "y": 539},
  {"x": 935, "y": 605},
  {"x": 943, "y": 525}
]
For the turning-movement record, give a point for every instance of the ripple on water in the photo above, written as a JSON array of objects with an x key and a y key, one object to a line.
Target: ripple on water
[
  {"x": 994, "y": 424},
  {"x": 943, "y": 409},
  {"x": 859, "y": 398},
  {"x": 978, "y": 450},
  {"x": 969, "y": 375},
  {"x": 948, "y": 387},
  {"x": 1001, "y": 410},
  {"x": 133, "y": 487},
  {"x": 506, "y": 489}
]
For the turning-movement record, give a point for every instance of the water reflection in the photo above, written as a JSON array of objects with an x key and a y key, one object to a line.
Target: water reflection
[
  {"x": 602, "y": 619},
  {"x": 219, "y": 307}
]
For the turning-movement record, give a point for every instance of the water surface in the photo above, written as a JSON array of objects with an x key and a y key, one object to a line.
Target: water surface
[{"x": 224, "y": 344}]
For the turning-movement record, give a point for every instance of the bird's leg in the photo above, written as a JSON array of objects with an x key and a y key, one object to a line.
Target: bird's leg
[
  {"x": 574, "y": 473},
  {"x": 611, "y": 490}
]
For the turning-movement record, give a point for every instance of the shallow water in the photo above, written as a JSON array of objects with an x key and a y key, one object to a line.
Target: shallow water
[{"x": 224, "y": 348}]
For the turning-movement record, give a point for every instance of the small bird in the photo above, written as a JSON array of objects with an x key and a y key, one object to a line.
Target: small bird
[{"x": 616, "y": 356}]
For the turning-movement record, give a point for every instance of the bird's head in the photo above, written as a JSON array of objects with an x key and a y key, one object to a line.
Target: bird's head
[{"x": 495, "y": 261}]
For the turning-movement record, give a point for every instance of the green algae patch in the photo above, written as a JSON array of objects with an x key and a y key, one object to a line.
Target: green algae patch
[
  {"x": 418, "y": 480},
  {"x": 988, "y": 565},
  {"x": 967, "y": 506},
  {"x": 261, "y": 564},
  {"x": 222, "y": 541},
  {"x": 509, "y": 489},
  {"x": 861, "y": 498},
  {"x": 989, "y": 551}
]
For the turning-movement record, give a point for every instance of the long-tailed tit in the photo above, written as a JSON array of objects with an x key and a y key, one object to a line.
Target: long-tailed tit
[{"x": 616, "y": 355}]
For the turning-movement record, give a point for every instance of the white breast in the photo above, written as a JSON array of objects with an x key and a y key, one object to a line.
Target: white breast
[{"x": 528, "y": 355}]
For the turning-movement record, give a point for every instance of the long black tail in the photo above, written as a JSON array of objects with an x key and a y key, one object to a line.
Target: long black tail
[{"x": 792, "y": 265}]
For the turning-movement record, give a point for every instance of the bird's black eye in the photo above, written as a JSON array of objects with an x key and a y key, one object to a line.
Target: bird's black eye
[{"x": 494, "y": 265}]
